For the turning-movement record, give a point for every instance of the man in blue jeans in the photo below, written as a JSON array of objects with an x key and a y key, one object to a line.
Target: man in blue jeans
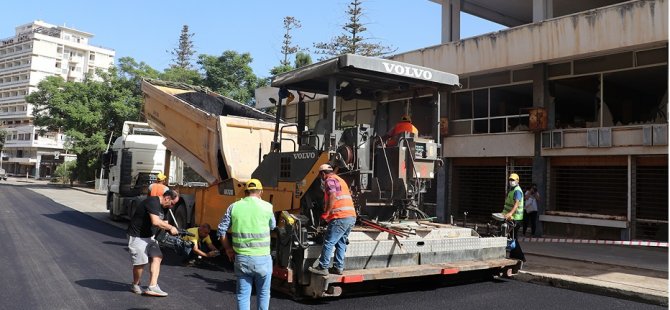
[
  {"x": 250, "y": 220},
  {"x": 339, "y": 213}
]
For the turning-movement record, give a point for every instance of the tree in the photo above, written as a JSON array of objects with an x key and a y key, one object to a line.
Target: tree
[
  {"x": 288, "y": 49},
  {"x": 302, "y": 59},
  {"x": 87, "y": 112},
  {"x": 352, "y": 40},
  {"x": 177, "y": 74},
  {"x": 184, "y": 51},
  {"x": 231, "y": 75}
]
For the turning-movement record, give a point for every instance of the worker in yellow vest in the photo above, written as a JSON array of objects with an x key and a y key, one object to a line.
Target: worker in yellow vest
[
  {"x": 513, "y": 210},
  {"x": 250, "y": 220},
  {"x": 340, "y": 215}
]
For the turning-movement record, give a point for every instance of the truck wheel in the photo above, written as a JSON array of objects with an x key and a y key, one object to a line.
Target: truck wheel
[{"x": 110, "y": 207}]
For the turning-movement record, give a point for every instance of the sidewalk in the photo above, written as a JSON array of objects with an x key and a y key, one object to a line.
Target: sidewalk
[{"x": 629, "y": 272}]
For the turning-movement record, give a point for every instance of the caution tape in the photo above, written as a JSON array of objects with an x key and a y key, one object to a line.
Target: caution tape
[{"x": 593, "y": 241}]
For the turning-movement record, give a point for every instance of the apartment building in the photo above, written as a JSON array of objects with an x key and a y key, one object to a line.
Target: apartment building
[
  {"x": 38, "y": 50},
  {"x": 572, "y": 96}
]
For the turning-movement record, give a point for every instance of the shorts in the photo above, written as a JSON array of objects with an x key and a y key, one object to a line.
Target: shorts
[{"x": 141, "y": 249}]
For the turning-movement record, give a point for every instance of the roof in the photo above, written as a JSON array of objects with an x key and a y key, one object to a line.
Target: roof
[{"x": 367, "y": 74}]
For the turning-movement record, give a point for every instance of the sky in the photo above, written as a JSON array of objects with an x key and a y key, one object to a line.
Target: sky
[{"x": 148, "y": 29}]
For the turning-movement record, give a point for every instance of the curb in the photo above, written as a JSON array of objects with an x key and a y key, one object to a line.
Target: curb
[{"x": 580, "y": 286}]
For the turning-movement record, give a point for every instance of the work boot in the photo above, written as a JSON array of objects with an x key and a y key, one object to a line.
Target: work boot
[
  {"x": 333, "y": 270},
  {"x": 318, "y": 270}
]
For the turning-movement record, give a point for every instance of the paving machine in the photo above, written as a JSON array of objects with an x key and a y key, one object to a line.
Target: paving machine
[{"x": 394, "y": 238}]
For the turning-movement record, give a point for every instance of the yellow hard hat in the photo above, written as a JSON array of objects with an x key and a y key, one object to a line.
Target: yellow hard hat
[
  {"x": 514, "y": 177},
  {"x": 161, "y": 177},
  {"x": 405, "y": 118},
  {"x": 254, "y": 184}
]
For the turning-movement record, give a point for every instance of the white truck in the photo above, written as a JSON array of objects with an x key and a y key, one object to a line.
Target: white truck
[{"x": 132, "y": 162}]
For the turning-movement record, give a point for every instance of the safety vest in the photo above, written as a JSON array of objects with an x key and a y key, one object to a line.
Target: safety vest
[
  {"x": 157, "y": 189},
  {"x": 509, "y": 204},
  {"x": 250, "y": 226},
  {"x": 400, "y": 127},
  {"x": 344, "y": 205}
]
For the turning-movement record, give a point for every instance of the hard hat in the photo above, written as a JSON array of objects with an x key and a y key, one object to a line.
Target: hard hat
[
  {"x": 514, "y": 177},
  {"x": 254, "y": 184},
  {"x": 326, "y": 167},
  {"x": 161, "y": 177},
  {"x": 405, "y": 118}
]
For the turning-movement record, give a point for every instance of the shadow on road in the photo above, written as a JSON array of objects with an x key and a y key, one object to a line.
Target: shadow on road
[
  {"x": 124, "y": 244},
  {"x": 104, "y": 285},
  {"x": 81, "y": 220},
  {"x": 226, "y": 285}
]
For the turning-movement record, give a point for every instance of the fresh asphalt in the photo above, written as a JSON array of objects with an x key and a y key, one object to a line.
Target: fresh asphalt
[{"x": 54, "y": 257}]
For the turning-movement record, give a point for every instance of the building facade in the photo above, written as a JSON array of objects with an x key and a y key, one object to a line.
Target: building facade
[
  {"x": 36, "y": 51},
  {"x": 573, "y": 97}
]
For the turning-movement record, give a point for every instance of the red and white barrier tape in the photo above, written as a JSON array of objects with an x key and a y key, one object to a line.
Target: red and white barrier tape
[{"x": 591, "y": 241}]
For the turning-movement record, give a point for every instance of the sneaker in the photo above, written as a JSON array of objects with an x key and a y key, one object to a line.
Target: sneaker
[
  {"x": 318, "y": 270},
  {"x": 155, "y": 291},
  {"x": 333, "y": 270},
  {"x": 135, "y": 288}
]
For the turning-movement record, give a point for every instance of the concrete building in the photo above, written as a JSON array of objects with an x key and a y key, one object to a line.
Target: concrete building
[
  {"x": 36, "y": 51},
  {"x": 573, "y": 97}
]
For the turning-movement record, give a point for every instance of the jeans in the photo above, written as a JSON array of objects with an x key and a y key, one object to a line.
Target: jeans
[
  {"x": 529, "y": 218},
  {"x": 251, "y": 270},
  {"x": 337, "y": 235}
]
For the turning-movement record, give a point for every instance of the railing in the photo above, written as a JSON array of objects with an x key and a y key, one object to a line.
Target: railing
[{"x": 484, "y": 125}]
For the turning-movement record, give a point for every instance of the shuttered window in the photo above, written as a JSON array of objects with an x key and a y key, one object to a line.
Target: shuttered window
[
  {"x": 590, "y": 189},
  {"x": 651, "y": 202}
]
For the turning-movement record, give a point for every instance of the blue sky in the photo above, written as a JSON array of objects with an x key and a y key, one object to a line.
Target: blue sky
[{"x": 147, "y": 29}]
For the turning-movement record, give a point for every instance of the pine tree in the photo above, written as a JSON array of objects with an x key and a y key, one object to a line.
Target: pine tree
[
  {"x": 352, "y": 41},
  {"x": 287, "y": 49},
  {"x": 182, "y": 54}
]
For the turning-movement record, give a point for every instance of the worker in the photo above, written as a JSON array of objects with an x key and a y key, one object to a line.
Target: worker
[
  {"x": 158, "y": 187},
  {"x": 340, "y": 215},
  {"x": 513, "y": 210},
  {"x": 202, "y": 244},
  {"x": 250, "y": 219},
  {"x": 404, "y": 125}
]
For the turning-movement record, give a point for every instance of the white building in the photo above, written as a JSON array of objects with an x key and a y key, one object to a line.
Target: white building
[{"x": 36, "y": 51}]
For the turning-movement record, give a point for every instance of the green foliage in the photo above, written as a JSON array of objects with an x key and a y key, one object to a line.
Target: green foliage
[
  {"x": 87, "y": 112},
  {"x": 302, "y": 59},
  {"x": 231, "y": 75},
  {"x": 288, "y": 48},
  {"x": 181, "y": 75},
  {"x": 3, "y": 138},
  {"x": 182, "y": 54},
  {"x": 64, "y": 171},
  {"x": 352, "y": 41}
]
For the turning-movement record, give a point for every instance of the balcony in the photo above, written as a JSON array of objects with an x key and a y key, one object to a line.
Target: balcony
[{"x": 644, "y": 139}]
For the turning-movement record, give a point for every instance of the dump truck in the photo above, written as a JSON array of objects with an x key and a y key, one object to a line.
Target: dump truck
[
  {"x": 395, "y": 237},
  {"x": 131, "y": 163}
]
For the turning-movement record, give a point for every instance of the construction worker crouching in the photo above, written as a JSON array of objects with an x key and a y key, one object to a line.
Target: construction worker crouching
[
  {"x": 340, "y": 214},
  {"x": 404, "y": 125},
  {"x": 250, "y": 220}
]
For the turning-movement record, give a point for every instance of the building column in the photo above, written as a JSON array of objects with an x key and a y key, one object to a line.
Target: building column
[
  {"x": 542, "y": 99},
  {"x": 38, "y": 162},
  {"x": 451, "y": 20},
  {"x": 542, "y": 10}
]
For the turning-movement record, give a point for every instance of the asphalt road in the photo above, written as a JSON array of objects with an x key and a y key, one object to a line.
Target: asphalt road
[{"x": 54, "y": 257}]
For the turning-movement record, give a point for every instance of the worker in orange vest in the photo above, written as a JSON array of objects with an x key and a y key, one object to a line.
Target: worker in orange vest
[
  {"x": 158, "y": 187},
  {"x": 340, "y": 215},
  {"x": 404, "y": 125}
]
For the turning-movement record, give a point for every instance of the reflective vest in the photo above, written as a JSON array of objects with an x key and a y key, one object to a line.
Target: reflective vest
[
  {"x": 509, "y": 204},
  {"x": 250, "y": 226},
  {"x": 157, "y": 189},
  {"x": 400, "y": 127},
  {"x": 344, "y": 205}
]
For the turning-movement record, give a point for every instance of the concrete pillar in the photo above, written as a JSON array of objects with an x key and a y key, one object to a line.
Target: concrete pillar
[
  {"x": 38, "y": 162},
  {"x": 542, "y": 10},
  {"x": 451, "y": 20},
  {"x": 541, "y": 98}
]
